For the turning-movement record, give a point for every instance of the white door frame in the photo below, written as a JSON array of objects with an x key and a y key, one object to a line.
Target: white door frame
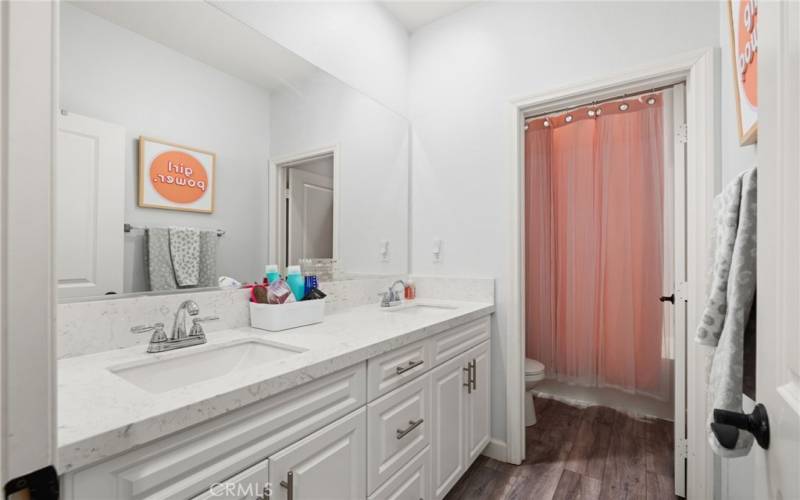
[
  {"x": 28, "y": 80},
  {"x": 277, "y": 173},
  {"x": 698, "y": 70}
]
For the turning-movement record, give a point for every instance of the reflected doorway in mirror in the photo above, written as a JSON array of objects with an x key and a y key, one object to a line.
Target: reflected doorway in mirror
[{"x": 306, "y": 196}]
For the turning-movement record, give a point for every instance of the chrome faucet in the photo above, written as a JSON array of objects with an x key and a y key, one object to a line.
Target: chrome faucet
[
  {"x": 159, "y": 342},
  {"x": 391, "y": 298},
  {"x": 179, "y": 325}
]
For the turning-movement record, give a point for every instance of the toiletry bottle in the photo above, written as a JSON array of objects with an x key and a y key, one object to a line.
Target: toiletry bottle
[
  {"x": 310, "y": 283},
  {"x": 295, "y": 281},
  {"x": 271, "y": 273},
  {"x": 410, "y": 292}
]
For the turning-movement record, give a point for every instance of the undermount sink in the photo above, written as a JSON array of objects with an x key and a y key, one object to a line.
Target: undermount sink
[
  {"x": 415, "y": 307},
  {"x": 166, "y": 372}
]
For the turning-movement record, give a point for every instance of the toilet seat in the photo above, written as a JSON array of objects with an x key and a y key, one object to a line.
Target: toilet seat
[{"x": 533, "y": 367}]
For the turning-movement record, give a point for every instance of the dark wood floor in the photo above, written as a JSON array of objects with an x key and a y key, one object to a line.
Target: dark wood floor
[{"x": 573, "y": 453}]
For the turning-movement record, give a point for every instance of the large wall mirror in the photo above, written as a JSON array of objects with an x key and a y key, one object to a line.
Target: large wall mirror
[{"x": 192, "y": 147}]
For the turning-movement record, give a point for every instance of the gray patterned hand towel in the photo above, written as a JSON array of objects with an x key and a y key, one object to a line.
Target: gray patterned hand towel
[
  {"x": 730, "y": 300},
  {"x": 184, "y": 248},
  {"x": 208, "y": 259},
  {"x": 158, "y": 260}
]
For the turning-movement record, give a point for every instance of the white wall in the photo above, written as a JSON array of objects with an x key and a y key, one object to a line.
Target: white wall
[
  {"x": 115, "y": 75},
  {"x": 373, "y": 163},
  {"x": 358, "y": 42},
  {"x": 465, "y": 69}
]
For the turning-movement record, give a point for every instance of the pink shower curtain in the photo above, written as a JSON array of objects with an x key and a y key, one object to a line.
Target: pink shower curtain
[{"x": 594, "y": 247}]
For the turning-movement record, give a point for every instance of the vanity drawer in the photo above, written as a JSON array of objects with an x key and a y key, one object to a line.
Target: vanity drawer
[
  {"x": 189, "y": 462},
  {"x": 397, "y": 367},
  {"x": 412, "y": 482},
  {"x": 457, "y": 340},
  {"x": 397, "y": 429}
]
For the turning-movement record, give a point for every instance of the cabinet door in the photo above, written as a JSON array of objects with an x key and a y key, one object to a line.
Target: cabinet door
[
  {"x": 251, "y": 484},
  {"x": 329, "y": 464},
  {"x": 476, "y": 414},
  {"x": 412, "y": 482},
  {"x": 447, "y": 429}
]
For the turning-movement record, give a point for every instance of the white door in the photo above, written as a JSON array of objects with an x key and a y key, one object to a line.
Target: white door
[
  {"x": 310, "y": 223},
  {"x": 448, "y": 384},
  {"x": 327, "y": 465},
  {"x": 27, "y": 284},
  {"x": 90, "y": 195},
  {"x": 777, "y": 469},
  {"x": 477, "y": 408},
  {"x": 675, "y": 269}
]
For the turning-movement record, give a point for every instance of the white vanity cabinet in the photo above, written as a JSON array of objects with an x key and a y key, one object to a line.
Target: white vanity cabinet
[
  {"x": 406, "y": 424},
  {"x": 460, "y": 423},
  {"x": 329, "y": 464}
]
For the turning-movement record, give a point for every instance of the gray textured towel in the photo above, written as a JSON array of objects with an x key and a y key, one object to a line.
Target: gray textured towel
[
  {"x": 158, "y": 260},
  {"x": 184, "y": 248},
  {"x": 208, "y": 259},
  {"x": 730, "y": 300}
]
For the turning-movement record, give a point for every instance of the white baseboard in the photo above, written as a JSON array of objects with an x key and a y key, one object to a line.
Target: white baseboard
[{"x": 497, "y": 450}]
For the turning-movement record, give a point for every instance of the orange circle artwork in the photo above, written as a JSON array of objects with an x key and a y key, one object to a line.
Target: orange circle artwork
[
  {"x": 747, "y": 49},
  {"x": 179, "y": 177}
]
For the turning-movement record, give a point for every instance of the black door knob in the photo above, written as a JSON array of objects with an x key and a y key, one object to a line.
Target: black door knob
[
  {"x": 726, "y": 426},
  {"x": 664, "y": 298}
]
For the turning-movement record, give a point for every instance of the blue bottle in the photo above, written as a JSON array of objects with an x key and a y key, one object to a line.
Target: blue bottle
[
  {"x": 296, "y": 282},
  {"x": 310, "y": 283},
  {"x": 271, "y": 272}
]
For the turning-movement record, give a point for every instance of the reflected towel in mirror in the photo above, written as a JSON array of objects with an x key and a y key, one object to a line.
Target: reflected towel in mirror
[
  {"x": 184, "y": 248},
  {"x": 158, "y": 260},
  {"x": 173, "y": 262}
]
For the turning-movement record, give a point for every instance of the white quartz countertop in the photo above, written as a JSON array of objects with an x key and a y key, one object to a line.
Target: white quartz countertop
[{"x": 101, "y": 414}]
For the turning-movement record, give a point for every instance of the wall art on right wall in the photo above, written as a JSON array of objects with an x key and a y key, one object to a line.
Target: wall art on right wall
[{"x": 743, "y": 16}]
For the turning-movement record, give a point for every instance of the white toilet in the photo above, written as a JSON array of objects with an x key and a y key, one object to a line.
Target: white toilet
[{"x": 534, "y": 373}]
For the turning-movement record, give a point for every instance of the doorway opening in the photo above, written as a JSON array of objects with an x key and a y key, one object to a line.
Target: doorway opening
[
  {"x": 306, "y": 207},
  {"x": 605, "y": 258},
  {"x": 697, "y": 71}
]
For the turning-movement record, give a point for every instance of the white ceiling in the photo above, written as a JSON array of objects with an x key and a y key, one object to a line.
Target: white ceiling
[{"x": 414, "y": 14}]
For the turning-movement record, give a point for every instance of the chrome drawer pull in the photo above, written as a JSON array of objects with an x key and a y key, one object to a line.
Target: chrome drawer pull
[
  {"x": 412, "y": 424},
  {"x": 474, "y": 375},
  {"x": 409, "y": 366},
  {"x": 468, "y": 384},
  {"x": 289, "y": 485}
]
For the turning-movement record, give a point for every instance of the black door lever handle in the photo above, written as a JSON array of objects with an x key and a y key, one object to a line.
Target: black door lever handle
[
  {"x": 664, "y": 298},
  {"x": 726, "y": 426}
]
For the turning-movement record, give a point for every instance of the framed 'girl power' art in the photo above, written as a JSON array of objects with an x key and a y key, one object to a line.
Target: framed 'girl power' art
[
  {"x": 743, "y": 17},
  {"x": 175, "y": 177}
]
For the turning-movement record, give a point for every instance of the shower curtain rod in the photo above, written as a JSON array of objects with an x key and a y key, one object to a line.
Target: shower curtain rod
[{"x": 599, "y": 101}]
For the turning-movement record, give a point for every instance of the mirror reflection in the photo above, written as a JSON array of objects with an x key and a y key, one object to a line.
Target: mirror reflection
[{"x": 190, "y": 156}]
